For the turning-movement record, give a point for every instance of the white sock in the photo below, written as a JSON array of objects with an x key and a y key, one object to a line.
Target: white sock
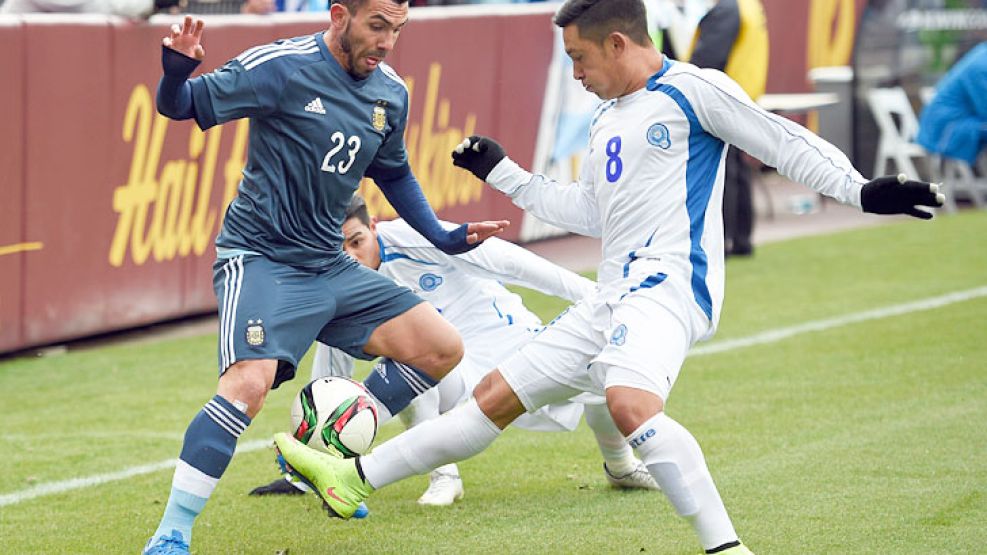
[
  {"x": 448, "y": 469},
  {"x": 424, "y": 407},
  {"x": 676, "y": 462},
  {"x": 616, "y": 453},
  {"x": 383, "y": 415},
  {"x": 452, "y": 391},
  {"x": 456, "y": 435}
]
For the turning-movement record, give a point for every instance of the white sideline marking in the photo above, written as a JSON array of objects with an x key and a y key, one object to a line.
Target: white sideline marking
[
  {"x": 770, "y": 336},
  {"x": 170, "y": 436},
  {"x": 63, "y": 486}
]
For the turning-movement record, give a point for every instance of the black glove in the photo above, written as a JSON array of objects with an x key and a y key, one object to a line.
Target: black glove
[
  {"x": 899, "y": 195},
  {"x": 479, "y": 155}
]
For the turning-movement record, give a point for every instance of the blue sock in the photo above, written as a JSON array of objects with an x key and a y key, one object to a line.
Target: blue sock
[
  {"x": 395, "y": 385},
  {"x": 210, "y": 441}
]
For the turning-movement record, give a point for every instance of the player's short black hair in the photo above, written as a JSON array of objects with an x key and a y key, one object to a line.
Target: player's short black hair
[
  {"x": 357, "y": 208},
  {"x": 354, "y": 5},
  {"x": 596, "y": 19}
]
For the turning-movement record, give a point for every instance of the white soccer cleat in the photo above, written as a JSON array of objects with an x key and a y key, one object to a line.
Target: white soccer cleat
[
  {"x": 445, "y": 487},
  {"x": 639, "y": 478}
]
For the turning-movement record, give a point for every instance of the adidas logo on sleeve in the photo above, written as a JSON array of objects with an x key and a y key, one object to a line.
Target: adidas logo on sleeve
[{"x": 315, "y": 106}]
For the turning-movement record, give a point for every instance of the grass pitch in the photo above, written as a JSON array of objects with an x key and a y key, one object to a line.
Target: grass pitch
[{"x": 863, "y": 438}]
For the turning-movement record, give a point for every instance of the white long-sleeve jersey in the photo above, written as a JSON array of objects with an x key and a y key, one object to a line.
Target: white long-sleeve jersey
[
  {"x": 652, "y": 184},
  {"x": 468, "y": 288}
]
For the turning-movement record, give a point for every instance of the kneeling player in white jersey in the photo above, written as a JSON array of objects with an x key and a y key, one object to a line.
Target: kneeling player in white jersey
[
  {"x": 493, "y": 322},
  {"x": 651, "y": 187}
]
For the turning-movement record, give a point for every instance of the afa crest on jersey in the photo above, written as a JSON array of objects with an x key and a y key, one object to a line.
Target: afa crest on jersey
[
  {"x": 659, "y": 136},
  {"x": 379, "y": 118},
  {"x": 255, "y": 333}
]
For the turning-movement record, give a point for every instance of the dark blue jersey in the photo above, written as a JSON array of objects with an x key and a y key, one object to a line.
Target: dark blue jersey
[{"x": 315, "y": 131}]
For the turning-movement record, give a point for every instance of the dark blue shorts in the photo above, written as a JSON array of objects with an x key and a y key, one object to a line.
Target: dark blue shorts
[{"x": 269, "y": 310}]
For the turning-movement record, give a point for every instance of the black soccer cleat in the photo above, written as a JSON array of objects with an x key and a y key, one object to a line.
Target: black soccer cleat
[{"x": 277, "y": 487}]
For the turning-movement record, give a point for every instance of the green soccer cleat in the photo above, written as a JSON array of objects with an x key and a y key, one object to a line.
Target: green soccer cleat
[{"x": 335, "y": 479}]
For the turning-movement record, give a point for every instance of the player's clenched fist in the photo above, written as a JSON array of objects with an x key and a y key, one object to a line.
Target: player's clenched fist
[
  {"x": 479, "y": 155},
  {"x": 899, "y": 195}
]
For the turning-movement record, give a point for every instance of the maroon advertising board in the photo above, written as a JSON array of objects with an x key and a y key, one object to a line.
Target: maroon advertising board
[
  {"x": 110, "y": 210},
  {"x": 14, "y": 247}
]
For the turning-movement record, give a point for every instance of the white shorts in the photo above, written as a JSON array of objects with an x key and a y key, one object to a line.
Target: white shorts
[
  {"x": 637, "y": 340},
  {"x": 483, "y": 354}
]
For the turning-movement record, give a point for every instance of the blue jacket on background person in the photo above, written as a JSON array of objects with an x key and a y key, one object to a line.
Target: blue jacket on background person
[{"x": 954, "y": 123}]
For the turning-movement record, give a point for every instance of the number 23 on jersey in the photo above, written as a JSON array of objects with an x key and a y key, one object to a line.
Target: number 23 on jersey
[{"x": 344, "y": 161}]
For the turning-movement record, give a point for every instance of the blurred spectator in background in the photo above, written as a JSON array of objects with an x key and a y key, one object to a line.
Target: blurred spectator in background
[
  {"x": 124, "y": 8},
  {"x": 672, "y": 24},
  {"x": 302, "y": 5},
  {"x": 733, "y": 37},
  {"x": 258, "y": 7},
  {"x": 954, "y": 123}
]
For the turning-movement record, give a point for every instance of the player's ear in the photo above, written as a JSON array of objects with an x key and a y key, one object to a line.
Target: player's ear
[
  {"x": 373, "y": 224},
  {"x": 616, "y": 43},
  {"x": 338, "y": 15}
]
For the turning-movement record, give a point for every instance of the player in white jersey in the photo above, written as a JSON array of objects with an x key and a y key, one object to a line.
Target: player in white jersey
[
  {"x": 651, "y": 187},
  {"x": 468, "y": 291}
]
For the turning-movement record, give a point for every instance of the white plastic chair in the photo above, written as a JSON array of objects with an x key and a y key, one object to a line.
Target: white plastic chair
[
  {"x": 956, "y": 176},
  {"x": 896, "y": 143}
]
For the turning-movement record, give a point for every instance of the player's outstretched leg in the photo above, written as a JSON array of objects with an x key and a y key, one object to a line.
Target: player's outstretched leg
[
  {"x": 338, "y": 481},
  {"x": 620, "y": 467},
  {"x": 397, "y": 389},
  {"x": 343, "y": 483},
  {"x": 291, "y": 485},
  {"x": 445, "y": 486},
  {"x": 210, "y": 441}
]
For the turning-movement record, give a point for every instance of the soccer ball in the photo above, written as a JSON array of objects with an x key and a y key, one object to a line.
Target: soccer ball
[{"x": 335, "y": 414}]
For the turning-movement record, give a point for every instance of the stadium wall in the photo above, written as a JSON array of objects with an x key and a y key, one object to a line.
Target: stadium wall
[{"x": 109, "y": 210}]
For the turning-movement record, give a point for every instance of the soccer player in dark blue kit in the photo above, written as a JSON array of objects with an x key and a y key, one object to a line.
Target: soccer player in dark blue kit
[{"x": 325, "y": 111}]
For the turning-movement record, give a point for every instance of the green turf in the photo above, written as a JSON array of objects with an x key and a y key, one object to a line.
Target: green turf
[{"x": 866, "y": 438}]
